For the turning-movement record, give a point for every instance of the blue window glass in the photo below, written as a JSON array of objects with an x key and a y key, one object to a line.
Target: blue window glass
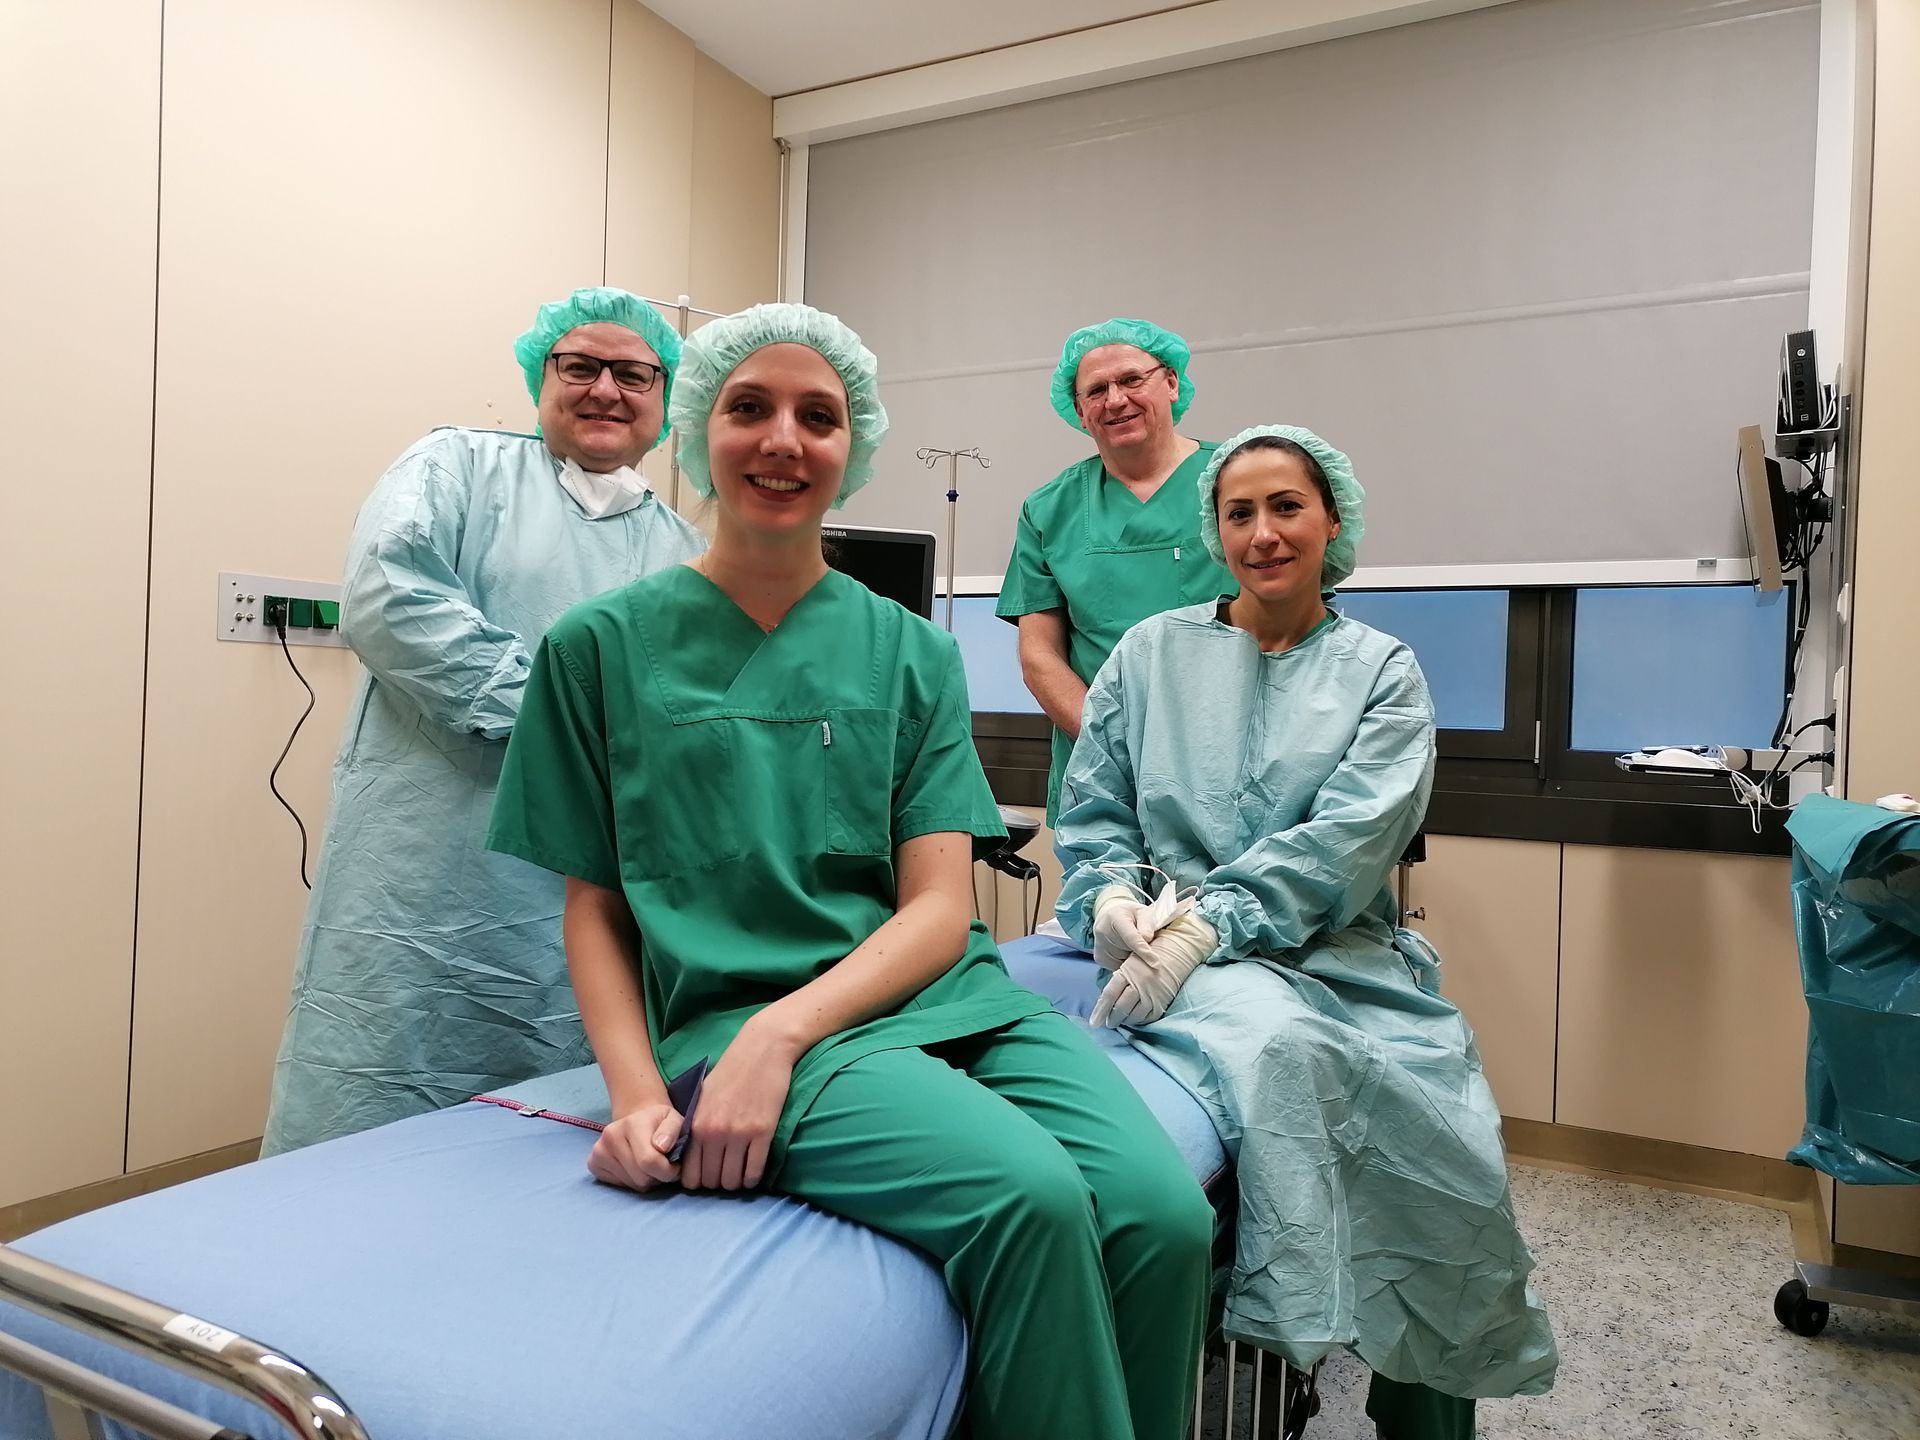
[
  {"x": 990, "y": 649},
  {"x": 1677, "y": 665},
  {"x": 1460, "y": 640}
]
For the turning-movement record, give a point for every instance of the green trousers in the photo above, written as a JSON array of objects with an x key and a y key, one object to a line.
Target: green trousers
[
  {"x": 1073, "y": 1237},
  {"x": 1414, "y": 1412}
]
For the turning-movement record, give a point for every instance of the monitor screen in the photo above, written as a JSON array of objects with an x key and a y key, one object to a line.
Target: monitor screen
[
  {"x": 897, "y": 564},
  {"x": 1763, "y": 506}
]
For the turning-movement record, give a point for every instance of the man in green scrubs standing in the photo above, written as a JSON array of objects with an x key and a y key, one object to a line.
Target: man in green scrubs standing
[{"x": 1115, "y": 538}]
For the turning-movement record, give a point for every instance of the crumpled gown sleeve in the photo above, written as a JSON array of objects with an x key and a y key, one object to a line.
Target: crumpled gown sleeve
[
  {"x": 408, "y": 614},
  {"x": 1098, "y": 822},
  {"x": 1319, "y": 875}
]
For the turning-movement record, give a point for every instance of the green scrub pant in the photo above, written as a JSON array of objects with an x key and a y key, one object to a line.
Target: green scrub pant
[
  {"x": 1073, "y": 1237},
  {"x": 1415, "y": 1412}
]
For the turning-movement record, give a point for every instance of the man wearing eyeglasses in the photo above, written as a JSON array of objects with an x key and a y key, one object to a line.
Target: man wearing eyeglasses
[
  {"x": 430, "y": 969},
  {"x": 1115, "y": 538}
]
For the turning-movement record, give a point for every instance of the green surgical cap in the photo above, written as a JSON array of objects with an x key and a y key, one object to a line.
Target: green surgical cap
[
  {"x": 1165, "y": 346},
  {"x": 598, "y": 305},
  {"x": 1348, "y": 497},
  {"x": 715, "y": 351}
]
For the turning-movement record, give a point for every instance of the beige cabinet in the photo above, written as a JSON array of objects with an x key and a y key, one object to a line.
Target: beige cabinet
[
  {"x": 1878, "y": 1217},
  {"x": 1492, "y": 910},
  {"x": 1648, "y": 993},
  {"x": 1681, "y": 1016}
]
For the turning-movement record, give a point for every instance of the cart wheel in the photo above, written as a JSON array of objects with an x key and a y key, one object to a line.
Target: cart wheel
[{"x": 1793, "y": 1309}]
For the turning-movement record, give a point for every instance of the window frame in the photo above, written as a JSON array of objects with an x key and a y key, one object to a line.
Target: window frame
[
  {"x": 1517, "y": 739},
  {"x": 1524, "y": 781},
  {"x": 1563, "y": 765}
]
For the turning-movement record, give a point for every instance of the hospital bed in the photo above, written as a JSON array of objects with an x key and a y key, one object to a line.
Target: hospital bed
[{"x": 460, "y": 1277}]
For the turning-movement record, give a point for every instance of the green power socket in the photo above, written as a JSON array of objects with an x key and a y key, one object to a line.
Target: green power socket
[{"x": 292, "y": 612}]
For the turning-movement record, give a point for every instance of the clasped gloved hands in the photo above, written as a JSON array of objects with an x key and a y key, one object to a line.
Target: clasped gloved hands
[
  {"x": 1119, "y": 926},
  {"x": 1149, "y": 974}
]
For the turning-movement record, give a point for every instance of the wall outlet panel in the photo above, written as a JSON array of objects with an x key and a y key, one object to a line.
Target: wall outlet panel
[{"x": 241, "y": 605}]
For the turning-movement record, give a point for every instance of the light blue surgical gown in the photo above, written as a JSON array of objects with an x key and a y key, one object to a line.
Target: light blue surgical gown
[
  {"x": 1374, "y": 1206},
  {"x": 430, "y": 969}
]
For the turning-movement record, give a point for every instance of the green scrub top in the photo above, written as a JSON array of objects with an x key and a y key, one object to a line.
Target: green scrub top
[
  {"x": 747, "y": 792},
  {"x": 1085, "y": 544}
]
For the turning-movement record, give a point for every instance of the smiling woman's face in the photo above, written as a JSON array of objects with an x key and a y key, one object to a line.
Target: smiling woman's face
[
  {"x": 778, "y": 439},
  {"x": 1274, "y": 524}
]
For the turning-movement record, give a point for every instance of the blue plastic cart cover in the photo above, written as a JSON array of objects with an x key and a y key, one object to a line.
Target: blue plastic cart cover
[{"x": 1856, "y": 911}]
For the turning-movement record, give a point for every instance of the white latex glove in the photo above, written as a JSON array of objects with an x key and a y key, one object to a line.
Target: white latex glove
[
  {"x": 1117, "y": 927},
  {"x": 1144, "y": 984}
]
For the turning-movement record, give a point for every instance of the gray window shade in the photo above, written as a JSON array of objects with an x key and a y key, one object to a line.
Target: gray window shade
[{"x": 1529, "y": 265}]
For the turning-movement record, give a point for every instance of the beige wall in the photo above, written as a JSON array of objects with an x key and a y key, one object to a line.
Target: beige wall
[
  {"x": 1883, "y": 711},
  {"x": 79, "y": 105},
  {"x": 1883, "y": 742},
  {"x": 736, "y": 192},
  {"x": 341, "y": 186}
]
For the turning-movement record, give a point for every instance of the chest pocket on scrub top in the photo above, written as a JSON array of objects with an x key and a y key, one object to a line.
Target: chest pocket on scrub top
[
  {"x": 857, "y": 751},
  {"x": 678, "y": 801},
  {"x": 1124, "y": 587}
]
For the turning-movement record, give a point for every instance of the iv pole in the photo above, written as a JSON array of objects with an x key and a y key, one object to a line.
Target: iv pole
[{"x": 929, "y": 457}]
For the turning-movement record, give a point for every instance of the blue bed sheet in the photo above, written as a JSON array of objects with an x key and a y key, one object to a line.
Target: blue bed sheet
[{"x": 459, "y": 1276}]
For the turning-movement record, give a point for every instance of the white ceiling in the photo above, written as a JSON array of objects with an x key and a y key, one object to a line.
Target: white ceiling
[{"x": 784, "y": 46}]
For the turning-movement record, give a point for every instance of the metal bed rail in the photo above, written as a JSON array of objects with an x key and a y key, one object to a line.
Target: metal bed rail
[
  {"x": 78, "y": 1398},
  {"x": 1280, "y": 1400}
]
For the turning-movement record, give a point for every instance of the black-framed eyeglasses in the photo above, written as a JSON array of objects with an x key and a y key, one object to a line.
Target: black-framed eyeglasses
[
  {"x": 1129, "y": 382},
  {"x": 638, "y": 376}
]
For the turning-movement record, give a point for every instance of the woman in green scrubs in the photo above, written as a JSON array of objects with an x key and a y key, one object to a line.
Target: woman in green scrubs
[
  {"x": 759, "y": 780},
  {"x": 1113, "y": 539}
]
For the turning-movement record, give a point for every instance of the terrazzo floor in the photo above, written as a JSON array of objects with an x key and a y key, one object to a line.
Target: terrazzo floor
[{"x": 1663, "y": 1305}]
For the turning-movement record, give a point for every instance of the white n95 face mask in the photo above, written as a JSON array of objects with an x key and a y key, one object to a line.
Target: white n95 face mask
[{"x": 601, "y": 494}]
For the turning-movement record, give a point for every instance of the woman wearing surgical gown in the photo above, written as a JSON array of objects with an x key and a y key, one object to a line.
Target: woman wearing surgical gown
[
  {"x": 759, "y": 780},
  {"x": 1272, "y": 758},
  {"x": 429, "y": 970}
]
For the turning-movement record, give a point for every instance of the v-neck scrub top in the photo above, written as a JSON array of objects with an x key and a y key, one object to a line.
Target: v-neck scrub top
[
  {"x": 747, "y": 790},
  {"x": 1087, "y": 545}
]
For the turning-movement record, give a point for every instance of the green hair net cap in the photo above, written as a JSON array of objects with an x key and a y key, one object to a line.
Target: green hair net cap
[
  {"x": 1165, "y": 346},
  {"x": 715, "y": 351},
  {"x": 1348, "y": 497},
  {"x": 598, "y": 305}
]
